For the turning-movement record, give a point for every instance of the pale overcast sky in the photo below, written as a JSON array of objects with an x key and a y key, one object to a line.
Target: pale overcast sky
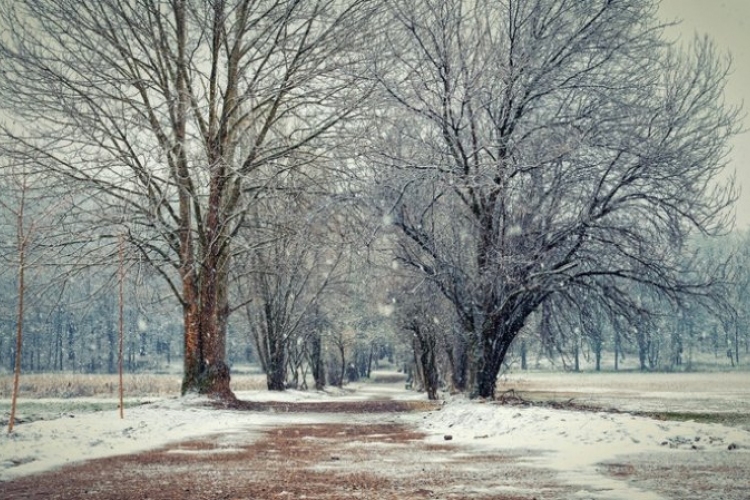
[{"x": 728, "y": 23}]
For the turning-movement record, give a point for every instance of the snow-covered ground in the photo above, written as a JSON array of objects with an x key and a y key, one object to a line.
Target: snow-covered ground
[{"x": 573, "y": 443}]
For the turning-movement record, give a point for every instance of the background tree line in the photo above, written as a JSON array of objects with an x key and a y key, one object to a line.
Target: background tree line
[{"x": 71, "y": 317}]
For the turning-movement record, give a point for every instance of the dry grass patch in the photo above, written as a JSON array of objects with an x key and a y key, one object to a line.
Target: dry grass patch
[{"x": 74, "y": 385}]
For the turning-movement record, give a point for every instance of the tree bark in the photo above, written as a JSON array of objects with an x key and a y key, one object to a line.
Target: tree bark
[
  {"x": 427, "y": 362},
  {"x": 276, "y": 363},
  {"x": 316, "y": 360}
]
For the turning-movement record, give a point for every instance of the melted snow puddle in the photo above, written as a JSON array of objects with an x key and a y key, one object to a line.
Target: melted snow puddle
[
  {"x": 579, "y": 467},
  {"x": 213, "y": 451}
]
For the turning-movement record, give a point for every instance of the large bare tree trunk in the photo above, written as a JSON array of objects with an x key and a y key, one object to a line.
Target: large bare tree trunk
[
  {"x": 494, "y": 350},
  {"x": 206, "y": 370}
]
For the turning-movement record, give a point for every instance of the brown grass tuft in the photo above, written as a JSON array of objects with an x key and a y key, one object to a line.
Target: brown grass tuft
[{"x": 74, "y": 385}]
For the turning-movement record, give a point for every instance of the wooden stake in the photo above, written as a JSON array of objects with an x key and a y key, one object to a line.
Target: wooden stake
[{"x": 121, "y": 276}]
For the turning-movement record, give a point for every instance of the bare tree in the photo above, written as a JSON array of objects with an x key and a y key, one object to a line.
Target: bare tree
[
  {"x": 166, "y": 110},
  {"x": 420, "y": 316},
  {"x": 32, "y": 209},
  {"x": 547, "y": 147},
  {"x": 287, "y": 280},
  {"x": 295, "y": 251},
  {"x": 120, "y": 320},
  {"x": 23, "y": 234}
]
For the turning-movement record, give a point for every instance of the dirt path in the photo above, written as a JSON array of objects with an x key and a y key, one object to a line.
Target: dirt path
[{"x": 357, "y": 453}]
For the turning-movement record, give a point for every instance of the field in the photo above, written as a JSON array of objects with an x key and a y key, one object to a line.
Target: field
[
  {"x": 608, "y": 436},
  {"x": 708, "y": 397}
]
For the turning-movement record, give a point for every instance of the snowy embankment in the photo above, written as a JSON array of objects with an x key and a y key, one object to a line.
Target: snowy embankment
[
  {"x": 574, "y": 443},
  {"x": 72, "y": 437}
]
